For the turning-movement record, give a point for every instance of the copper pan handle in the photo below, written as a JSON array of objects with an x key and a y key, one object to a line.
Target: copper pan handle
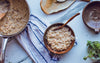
[{"x": 3, "y": 48}]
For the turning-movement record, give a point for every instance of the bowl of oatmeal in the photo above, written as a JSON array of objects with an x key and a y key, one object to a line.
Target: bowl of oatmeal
[{"x": 59, "y": 41}]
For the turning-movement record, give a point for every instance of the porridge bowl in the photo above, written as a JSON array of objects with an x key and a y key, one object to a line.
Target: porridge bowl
[{"x": 59, "y": 41}]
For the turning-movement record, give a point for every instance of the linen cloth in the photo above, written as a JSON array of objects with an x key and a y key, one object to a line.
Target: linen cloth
[{"x": 31, "y": 39}]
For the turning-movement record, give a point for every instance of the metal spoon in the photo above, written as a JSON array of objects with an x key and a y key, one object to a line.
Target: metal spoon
[
  {"x": 4, "y": 7},
  {"x": 66, "y": 22}
]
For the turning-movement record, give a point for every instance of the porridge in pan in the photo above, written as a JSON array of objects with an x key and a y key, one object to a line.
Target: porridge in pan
[
  {"x": 15, "y": 19},
  {"x": 59, "y": 40}
]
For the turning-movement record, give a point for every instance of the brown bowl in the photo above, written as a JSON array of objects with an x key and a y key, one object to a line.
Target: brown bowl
[
  {"x": 46, "y": 42},
  {"x": 91, "y": 15}
]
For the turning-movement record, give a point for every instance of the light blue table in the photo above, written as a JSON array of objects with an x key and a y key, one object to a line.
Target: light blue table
[{"x": 15, "y": 54}]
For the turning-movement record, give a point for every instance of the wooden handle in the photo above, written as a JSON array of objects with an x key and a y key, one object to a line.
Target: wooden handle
[{"x": 70, "y": 19}]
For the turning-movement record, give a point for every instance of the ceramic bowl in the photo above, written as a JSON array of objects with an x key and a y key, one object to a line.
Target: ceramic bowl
[{"x": 91, "y": 15}]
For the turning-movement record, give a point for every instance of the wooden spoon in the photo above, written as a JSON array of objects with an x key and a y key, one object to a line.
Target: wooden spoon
[
  {"x": 66, "y": 22},
  {"x": 4, "y": 7}
]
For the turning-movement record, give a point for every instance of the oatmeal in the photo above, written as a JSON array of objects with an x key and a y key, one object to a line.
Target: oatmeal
[
  {"x": 16, "y": 18},
  {"x": 61, "y": 39}
]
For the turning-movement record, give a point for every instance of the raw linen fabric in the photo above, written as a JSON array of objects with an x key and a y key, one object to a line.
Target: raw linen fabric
[{"x": 31, "y": 39}]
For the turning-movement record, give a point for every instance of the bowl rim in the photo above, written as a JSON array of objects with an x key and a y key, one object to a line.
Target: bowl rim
[
  {"x": 49, "y": 48},
  {"x": 84, "y": 18}
]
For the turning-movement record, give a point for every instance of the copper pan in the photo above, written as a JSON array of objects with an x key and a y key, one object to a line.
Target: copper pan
[{"x": 6, "y": 37}]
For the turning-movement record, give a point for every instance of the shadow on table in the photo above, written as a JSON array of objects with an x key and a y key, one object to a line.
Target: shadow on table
[{"x": 97, "y": 61}]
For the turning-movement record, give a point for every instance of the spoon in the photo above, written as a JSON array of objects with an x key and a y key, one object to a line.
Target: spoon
[
  {"x": 66, "y": 22},
  {"x": 4, "y": 7}
]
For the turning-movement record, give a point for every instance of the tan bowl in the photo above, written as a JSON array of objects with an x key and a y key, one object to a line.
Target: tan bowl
[
  {"x": 91, "y": 15},
  {"x": 46, "y": 42}
]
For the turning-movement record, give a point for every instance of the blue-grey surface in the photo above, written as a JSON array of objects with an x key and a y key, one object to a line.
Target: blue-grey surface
[{"x": 16, "y": 54}]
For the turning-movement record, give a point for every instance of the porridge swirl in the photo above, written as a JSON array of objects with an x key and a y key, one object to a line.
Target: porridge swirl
[
  {"x": 15, "y": 19},
  {"x": 59, "y": 40}
]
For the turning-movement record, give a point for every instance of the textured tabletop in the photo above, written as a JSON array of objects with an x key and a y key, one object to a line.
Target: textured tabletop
[{"x": 16, "y": 54}]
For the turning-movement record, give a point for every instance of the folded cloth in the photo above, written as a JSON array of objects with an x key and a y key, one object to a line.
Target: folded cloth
[{"x": 31, "y": 39}]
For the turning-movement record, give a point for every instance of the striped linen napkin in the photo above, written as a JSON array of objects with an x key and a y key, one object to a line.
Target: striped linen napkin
[{"x": 31, "y": 39}]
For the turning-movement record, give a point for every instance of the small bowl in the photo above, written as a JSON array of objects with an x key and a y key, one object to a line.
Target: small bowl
[
  {"x": 91, "y": 15},
  {"x": 46, "y": 42}
]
